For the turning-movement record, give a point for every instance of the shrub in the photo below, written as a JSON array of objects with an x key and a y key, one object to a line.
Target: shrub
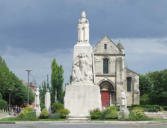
[
  {"x": 164, "y": 108},
  {"x": 152, "y": 108},
  {"x": 3, "y": 104},
  {"x": 57, "y": 115},
  {"x": 110, "y": 113},
  {"x": 64, "y": 113},
  {"x": 27, "y": 114},
  {"x": 145, "y": 99},
  {"x": 137, "y": 113},
  {"x": 44, "y": 114},
  {"x": 56, "y": 107},
  {"x": 95, "y": 114},
  {"x": 148, "y": 108},
  {"x": 42, "y": 106},
  {"x": 0, "y": 96}
]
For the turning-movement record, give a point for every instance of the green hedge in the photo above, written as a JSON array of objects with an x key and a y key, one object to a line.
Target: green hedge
[
  {"x": 152, "y": 108},
  {"x": 148, "y": 108}
]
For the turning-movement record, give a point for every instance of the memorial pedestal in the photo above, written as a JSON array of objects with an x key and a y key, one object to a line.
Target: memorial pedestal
[{"x": 81, "y": 99}]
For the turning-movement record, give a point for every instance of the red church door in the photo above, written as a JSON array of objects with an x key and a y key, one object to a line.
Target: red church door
[{"x": 105, "y": 98}]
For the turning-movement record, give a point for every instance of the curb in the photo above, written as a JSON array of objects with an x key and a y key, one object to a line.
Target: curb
[
  {"x": 7, "y": 122},
  {"x": 90, "y": 122}
]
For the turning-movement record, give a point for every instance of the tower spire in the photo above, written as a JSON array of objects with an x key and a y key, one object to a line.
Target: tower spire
[{"x": 83, "y": 29}]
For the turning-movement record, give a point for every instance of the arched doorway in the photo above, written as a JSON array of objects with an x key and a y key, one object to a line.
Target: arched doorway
[{"x": 107, "y": 94}]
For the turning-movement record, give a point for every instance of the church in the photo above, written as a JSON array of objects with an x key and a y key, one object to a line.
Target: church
[
  {"x": 99, "y": 75},
  {"x": 112, "y": 75}
]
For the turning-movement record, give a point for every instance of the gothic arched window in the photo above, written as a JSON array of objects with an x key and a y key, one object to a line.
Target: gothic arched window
[
  {"x": 105, "y": 46},
  {"x": 105, "y": 65},
  {"x": 129, "y": 83}
]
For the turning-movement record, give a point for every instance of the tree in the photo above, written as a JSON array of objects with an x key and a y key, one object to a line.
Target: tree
[
  {"x": 153, "y": 88},
  {"x": 43, "y": 90},
  {"x": 159, "y": 93},
  {"x": 57, "y": 82},
  {"x": 54, "y": 81},
  {"x": 60, "y": 93},
  {"x": 146, "y": 84},
  {"x": 11, "y": 85}
]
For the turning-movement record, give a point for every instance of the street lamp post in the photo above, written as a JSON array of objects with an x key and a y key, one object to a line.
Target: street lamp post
[{"x": 28, "y": 90}]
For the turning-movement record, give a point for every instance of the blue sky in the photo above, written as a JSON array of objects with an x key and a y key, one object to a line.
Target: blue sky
[{"x": 33, "y": 32}]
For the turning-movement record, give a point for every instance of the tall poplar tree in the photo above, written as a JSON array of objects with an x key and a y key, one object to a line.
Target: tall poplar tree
[
  {"x": 60, "y": 93},
  {"x": 54, "y": 77},
  {"x": 57, "y": 82},
  {"x": 43, "y": 90}
]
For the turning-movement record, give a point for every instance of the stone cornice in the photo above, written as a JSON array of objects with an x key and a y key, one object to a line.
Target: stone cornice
[
  {"x": 107, "y": 54},
  {"x": 105, "y": 75}
]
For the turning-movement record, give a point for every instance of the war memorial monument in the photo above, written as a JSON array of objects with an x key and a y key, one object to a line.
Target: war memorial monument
[{"x": 99, "y": 76}]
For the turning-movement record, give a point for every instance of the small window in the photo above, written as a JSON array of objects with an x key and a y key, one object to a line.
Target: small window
[
  {"x": 105, "y": 46},
  {"x": 105, "y": 66},
  {"x": 129, "y": 82}
]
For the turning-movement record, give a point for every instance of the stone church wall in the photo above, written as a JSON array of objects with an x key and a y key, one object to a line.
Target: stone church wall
[{"x": 118, "y": 72}]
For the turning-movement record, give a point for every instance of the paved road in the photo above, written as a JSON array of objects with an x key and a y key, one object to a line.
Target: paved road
[{"x": 85, "y": 125}]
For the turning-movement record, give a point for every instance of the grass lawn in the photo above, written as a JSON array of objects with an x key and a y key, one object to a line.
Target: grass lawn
[
  {"x": 1, "y": 112},
  {"x": 13, "y": 119},
  {"x": 149, "y": 119}
]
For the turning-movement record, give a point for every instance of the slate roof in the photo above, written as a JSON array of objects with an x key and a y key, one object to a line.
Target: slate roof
[{"x": 120, "y": 46}]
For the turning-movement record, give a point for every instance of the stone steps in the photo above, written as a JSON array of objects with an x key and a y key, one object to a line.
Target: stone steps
[{"x": 78, "y": 119}]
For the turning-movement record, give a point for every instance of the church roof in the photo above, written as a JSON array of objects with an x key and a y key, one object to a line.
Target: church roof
[
  {"x": 131, "y": 71},
  {"x": 120, "y": 46},
  {"x": 105, "y": 38},
  {"x": 112, "y": 47}
]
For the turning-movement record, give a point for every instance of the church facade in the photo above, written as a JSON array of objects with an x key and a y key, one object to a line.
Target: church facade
[{"x": 112, "y": 75}]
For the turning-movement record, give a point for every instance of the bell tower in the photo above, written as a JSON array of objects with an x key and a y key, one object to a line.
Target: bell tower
[{"x": 83, "y": 29}]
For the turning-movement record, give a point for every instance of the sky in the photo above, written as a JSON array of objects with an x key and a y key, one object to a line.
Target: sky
[{"x": 33, "y": 32}]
